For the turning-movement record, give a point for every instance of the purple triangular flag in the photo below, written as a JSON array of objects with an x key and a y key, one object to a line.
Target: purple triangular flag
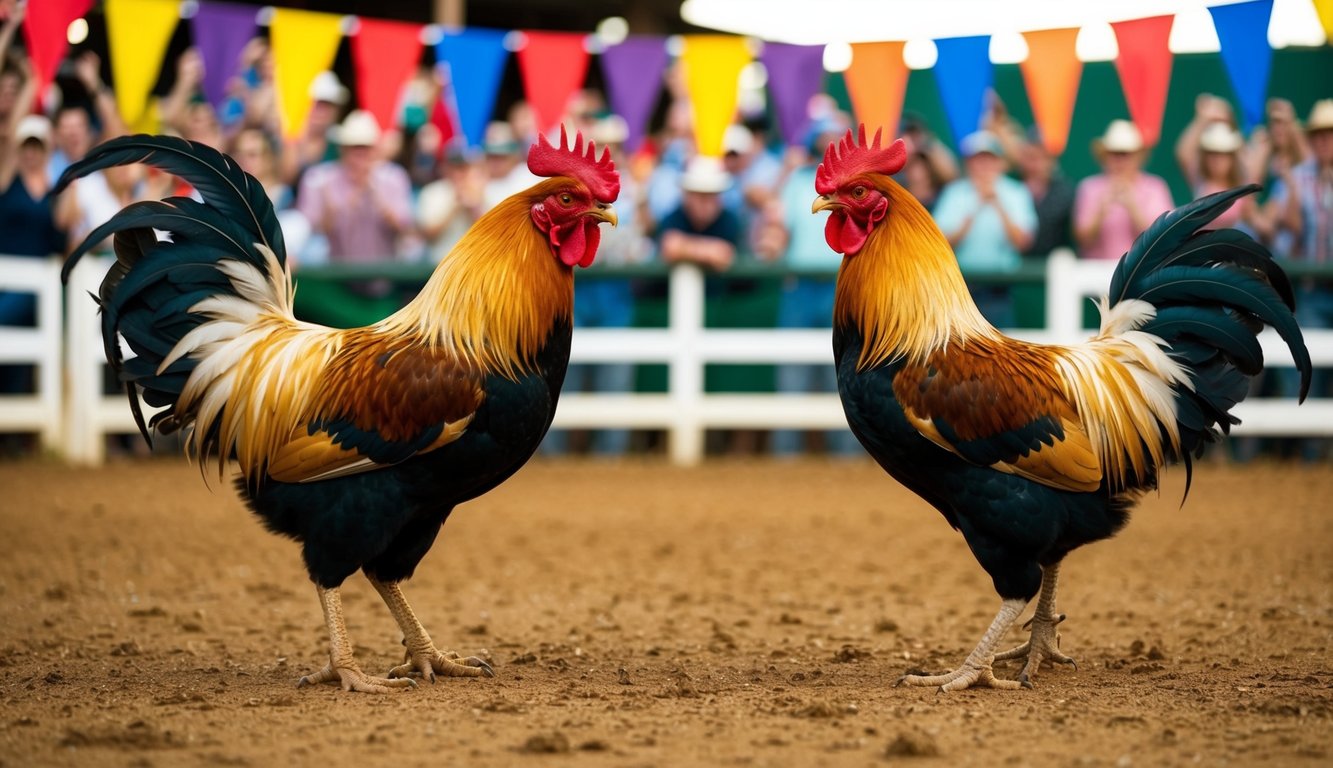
[
  {"x": 220, "y": 32},
  {"x": 633, "y": 72},
  {"x": 795, "y": 75}
]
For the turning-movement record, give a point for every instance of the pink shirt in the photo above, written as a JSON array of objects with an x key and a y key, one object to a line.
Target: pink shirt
[
  {"x": 1118, "y": 230},
  {"x": 360, "y": 229}
]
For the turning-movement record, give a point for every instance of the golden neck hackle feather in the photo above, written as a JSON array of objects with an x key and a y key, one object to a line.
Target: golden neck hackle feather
[
  {"x": 904, "y": 289},
  {"x": 498, "y": 294}
]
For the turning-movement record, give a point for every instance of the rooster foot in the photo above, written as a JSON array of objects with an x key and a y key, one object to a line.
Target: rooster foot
[
  {"x": 429, "y": 662},
  {"x": 1042, "y": 646},
  {"x": 970, "y": 675},
  {"x": 353, "y": 679}
]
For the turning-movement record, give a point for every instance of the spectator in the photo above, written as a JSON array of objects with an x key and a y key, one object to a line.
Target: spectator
[
  {"x": 756, "y": 174},
  {"x": 807, "y": 297},
  {"x": 1114, "y": 206},
  {"x": 74, "y": 135},
  {"x": 254, "y": 151},
  {"x": 448, "y": 206},
  {"x": 921, "y": 140},
  {"x": 989, "y": 220},
  {"x": 702, "y": 230},
  {"x": 1277, "y": 147},
  {"x": 313, "y": 146},
  {"x": 1052, "y": 197},
  {"x": 32, "y": 220},
  {"x": 608, "y": 302},
  {"x": 1307, "y": 204},
  {"x": 1208, "y": 152},
  {"x": 506, "y": 171},
  {"x": 362, "y": 205}
]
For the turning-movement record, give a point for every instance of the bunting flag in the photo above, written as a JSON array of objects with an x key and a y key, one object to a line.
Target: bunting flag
[
  {"x": 385, "y": 55},
  {"x": 44, "y": 32},
  {"x": 633, "y": 74},
  {"x": 1242, "y": 30},
  {"x": 553, "y": 66},
  {"x": 963, "y": 74},
  {"x": 304, "y": 44},
  {"x": 1324, "y": 9},
  {"x": 137, "y": 35},
  {"x": 876, "y": 82},
  {"x": 795, "y": 75},
  {"x": 220, "y": 32},
  {"x": 713, "y": 65},
  {"x": 1051, "y": 73},
  {"x": 444, "y": 122},
  {"x": 476, "y": 62},
  {"x": 1144, "y": 65}
]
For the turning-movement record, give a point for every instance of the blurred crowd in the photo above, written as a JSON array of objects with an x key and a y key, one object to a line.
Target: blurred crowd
[{"x": 349, "y": 190}]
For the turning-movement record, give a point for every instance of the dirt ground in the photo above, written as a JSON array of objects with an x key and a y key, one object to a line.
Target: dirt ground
[{"x": 748, "y": 613}]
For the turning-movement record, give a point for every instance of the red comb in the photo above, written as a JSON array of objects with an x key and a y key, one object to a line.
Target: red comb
[
  {"x": 600, "y": 176},
  {"x": 849, "y": 157}
]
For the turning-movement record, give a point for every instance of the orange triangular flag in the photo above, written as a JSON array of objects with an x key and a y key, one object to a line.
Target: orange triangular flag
[
  {"x": 876, "y": 82},
  {"x": 1051, "y": 73}
]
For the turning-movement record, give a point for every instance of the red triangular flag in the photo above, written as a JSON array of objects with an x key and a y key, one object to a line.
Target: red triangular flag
[
  {"x": 1144, "y": 65},
  {"x": 441, "y": 116},
  {"x": 553, "y": 65},
  {"x": 45, "y": 30},
  {"x": 386, "y": 54}
]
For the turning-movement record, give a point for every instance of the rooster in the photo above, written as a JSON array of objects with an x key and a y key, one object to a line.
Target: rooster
[
  {"x": 357, "y": 443},
  {"x": 1033, "y": 450}
]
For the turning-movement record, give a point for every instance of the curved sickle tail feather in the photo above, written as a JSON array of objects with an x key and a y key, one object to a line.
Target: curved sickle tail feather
[
  {"x": 1213, "y": 292},
  {"x": 224, "y": 257}
]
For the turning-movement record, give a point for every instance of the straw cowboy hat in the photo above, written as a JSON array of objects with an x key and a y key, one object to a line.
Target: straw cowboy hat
[
  {"x": 705, "y": 175},
  {"x": 1221, "y": 138},
  {"x": 1321, "y": 117},
  {"x": 358, "y": 129},
  {"x": 1121, "y": 136}
]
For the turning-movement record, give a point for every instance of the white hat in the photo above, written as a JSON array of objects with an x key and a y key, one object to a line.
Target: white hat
[
  {"x": 981, "y": 142},
  {"x": 1120, "y": 136},
  {"x": 34, "y": 127},
  {"x": 738, "y": 139},
  {"x": 1321, "y": 116},
  {"x": 326, "y": 87},
  {"x": 706, "y": 175},
  {"x": 358, "y": 129},
  {"x": 499, "y": 139},
  {"x": 1220, "y": 137},
  {"x": 611, "y": 129}
]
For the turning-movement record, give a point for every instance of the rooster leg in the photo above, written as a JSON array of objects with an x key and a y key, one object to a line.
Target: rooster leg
[
  {"x": 423, "y": 657},
  {"x": 976, "y": 669},
  {"x": 342, "y": 666},
  {"x": 1044, "y": 643}
]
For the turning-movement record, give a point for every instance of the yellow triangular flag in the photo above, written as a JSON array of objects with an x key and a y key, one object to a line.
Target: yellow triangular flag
[
  {"x": 304, "y": 44},
  {"x": 713, "y": 65},
  {"x": 137, "y": 35},
  {"x": 1324, "y": 8}
]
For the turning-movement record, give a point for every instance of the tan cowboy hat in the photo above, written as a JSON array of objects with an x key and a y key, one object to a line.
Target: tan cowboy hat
[
  {"x": 1120, "y": 136},
  {"x": 706, "y": 175},
  {"x": 1221, "y": 138},
  {"x": 358, "y": 129},
  {"x": 1321, "y": 116}
]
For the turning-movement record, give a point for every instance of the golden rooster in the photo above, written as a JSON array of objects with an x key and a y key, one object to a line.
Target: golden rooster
[
  {"x": 357, "y": 443},
  {"x": 1033, "y": 450}
]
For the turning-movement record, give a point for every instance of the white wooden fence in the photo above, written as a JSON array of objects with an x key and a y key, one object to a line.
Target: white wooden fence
[{"x": 685, "y": 411}]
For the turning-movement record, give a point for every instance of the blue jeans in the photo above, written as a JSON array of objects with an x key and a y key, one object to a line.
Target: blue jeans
[
  {"x": 599, "y": 304},
  {"x": 808, "y": 303},
  {"x": 17, "y": 309}
]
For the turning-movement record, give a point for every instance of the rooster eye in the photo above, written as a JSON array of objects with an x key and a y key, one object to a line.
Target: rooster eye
[
  {"x": 565, "y": 199},
  {"x": 859, "y": 192}
]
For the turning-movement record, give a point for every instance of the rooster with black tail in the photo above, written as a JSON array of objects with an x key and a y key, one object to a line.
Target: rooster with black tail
[
  {"x": 1034, "y": 450},
  {"x": 357, "y": 443}
]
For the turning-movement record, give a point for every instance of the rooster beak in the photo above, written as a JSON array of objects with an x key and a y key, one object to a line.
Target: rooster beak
[
  {"x": 605, "y": 212},
  {"x": 824, "y": 203}
]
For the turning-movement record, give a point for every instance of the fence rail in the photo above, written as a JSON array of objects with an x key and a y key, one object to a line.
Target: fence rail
[{"x": 685, "y": 346}]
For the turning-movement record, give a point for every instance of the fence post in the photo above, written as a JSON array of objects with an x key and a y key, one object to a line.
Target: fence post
[
  {"x": 84, "y": 434},
  {"x": 685, "y": 376},
  {"x": 1064, "y": 300}
]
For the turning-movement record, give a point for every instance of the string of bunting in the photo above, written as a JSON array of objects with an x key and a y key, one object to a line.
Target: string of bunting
[{"x": 554, "y": 65}]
